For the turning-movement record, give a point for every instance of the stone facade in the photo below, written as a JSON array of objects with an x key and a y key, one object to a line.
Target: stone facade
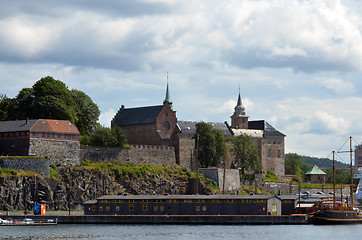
[
  {"x": 58, "y": 151},
  {"x": 185, "y": 151},
  {"x": 272, "y": 149},
  {"x": 232, "y": 178},
  {"x": 33, "y": 164},
  {"x": 139, "y": 154}
]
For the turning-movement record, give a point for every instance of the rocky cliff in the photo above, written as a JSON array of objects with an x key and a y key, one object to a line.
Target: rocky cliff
[{"x": 72, "y": 186}]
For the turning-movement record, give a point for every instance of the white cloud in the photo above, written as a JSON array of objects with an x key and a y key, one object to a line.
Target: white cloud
[
  {"x": 106, "y": 117},
  {"x": 322, "y": 122},
  {"x": 339, "y": 86}
]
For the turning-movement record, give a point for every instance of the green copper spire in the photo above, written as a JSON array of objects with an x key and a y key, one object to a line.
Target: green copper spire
[{"x": 167, "y": 98}]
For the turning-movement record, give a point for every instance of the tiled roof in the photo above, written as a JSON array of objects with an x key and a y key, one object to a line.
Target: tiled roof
[
  {"x": 140, "y": 115},
  {"x": 59, "y": 126},
  {"x": 269, "y": 130},
  {"x": 39, "y": 125},
  {"x": 16, "y": 126},
  {"x": 315, "y": 171},
  {"x": 189, "y": 128}
]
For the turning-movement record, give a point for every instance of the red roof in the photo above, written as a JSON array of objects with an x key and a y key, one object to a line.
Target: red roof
[{"x": 59, "y": 126}]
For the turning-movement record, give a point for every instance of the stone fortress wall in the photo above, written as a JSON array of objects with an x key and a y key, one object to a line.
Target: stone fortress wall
[
  {"x": 138, "y": 154},
  {"x": 34, "y": 164},
  {"x": 58, "y": 151}
]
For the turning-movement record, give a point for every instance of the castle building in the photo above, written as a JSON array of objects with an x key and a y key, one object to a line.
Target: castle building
[
  {"x": 56, "y": 139},
  {"x": 152, "y": 125},
  {"x": 158, "y": 125}
]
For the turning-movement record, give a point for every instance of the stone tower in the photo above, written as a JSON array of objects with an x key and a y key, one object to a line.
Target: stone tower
[{"x": 239, "y": 120}]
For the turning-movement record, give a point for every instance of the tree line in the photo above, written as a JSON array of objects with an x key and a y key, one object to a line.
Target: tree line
[{"x": 295, "y": 165}]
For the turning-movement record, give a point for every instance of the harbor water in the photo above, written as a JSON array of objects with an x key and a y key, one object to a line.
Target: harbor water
[{"x": 160, "y": 232}]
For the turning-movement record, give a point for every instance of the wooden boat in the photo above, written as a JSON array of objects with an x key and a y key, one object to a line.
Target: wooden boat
[{"x": 332, "y": 212}]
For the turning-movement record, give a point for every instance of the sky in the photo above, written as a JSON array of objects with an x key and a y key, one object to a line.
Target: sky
[{"x": 298, "y": 63}]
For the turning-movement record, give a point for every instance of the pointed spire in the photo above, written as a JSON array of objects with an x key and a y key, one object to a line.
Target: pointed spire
[
  {"x": 167, "y": 98},
  {"x": 239, "y": 108}
]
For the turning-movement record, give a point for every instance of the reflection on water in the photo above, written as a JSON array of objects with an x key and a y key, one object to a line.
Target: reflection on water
[{"x": 158, "y": 232}]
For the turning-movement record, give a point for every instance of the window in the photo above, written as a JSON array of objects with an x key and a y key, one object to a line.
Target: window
[
  {"x": 107, "y": 208},
  {"x": 269, "y": 153},
  {"x": 162, "y": 208},
  {"x": 93, "y": 208},
  {"x": 131, "y": 207},
  {"x": 204, "y": 208},
  {"x": 145, "y": 207},
  {"x": 155, "y": 208},
  {"x": 117, "y": 208},
  {"x": 101, "y": 209},
  {"x": 197, "y": 208},
  {"x": 274, "y": 208},
  {"x": 279, "y": 153}
]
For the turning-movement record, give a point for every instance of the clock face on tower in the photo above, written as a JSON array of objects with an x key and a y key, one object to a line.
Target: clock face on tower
[{"x": 166, "y": 125}]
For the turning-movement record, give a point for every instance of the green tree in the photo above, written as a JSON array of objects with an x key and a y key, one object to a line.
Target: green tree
[
  {"x": 120, "y": 135},
  {"x": 51, "y": 99},
  {"x": 211, "y": 145},
  {"x": 6, "y": 107},
  {"x": 106, "y": 137},
  {"x": 246, "y": 153},
  {"x": 342, "y": 176},
  {"x": 293, "y": 163},
  {"x": 87, "y": 112}
]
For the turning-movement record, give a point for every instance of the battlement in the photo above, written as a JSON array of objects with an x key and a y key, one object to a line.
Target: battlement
[{"x": 153, "y": 147}]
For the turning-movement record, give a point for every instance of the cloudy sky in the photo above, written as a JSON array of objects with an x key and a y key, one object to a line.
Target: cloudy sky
[{"x": 298, "y": 63}]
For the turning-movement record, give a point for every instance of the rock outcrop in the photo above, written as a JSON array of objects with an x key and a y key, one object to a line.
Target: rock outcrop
[{"x": 76, "y": 185}]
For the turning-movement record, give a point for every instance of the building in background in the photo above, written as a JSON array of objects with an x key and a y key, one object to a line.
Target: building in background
[
  {"x": 315, "y": 175},
  {"x": 358, "y": 157}
]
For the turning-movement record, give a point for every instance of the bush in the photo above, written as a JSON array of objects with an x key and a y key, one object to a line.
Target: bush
[
  {"x": 5, "y": 172},
  {"x": 271, "y": 177},
  {"x": 54, "y": 172}
]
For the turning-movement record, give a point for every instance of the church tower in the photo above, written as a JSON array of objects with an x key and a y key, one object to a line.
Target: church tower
[{"x": 239, "y": 120}]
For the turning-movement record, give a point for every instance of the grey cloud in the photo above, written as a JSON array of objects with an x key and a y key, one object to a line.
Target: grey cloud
[
  {"x": 112, "y": 8},
  {"x": 257, "y": 58}
]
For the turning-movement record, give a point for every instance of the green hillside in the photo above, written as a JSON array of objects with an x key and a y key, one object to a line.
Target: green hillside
[{"x": 323, "y": 162}]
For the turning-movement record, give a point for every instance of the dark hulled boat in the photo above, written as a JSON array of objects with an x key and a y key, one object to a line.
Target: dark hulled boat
[
  {"x": 337, "y": 214},
  {"x": 332, "y": 212}
]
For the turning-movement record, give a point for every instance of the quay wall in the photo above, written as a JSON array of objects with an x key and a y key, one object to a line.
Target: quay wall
[{"x": 175, "y": 219}]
